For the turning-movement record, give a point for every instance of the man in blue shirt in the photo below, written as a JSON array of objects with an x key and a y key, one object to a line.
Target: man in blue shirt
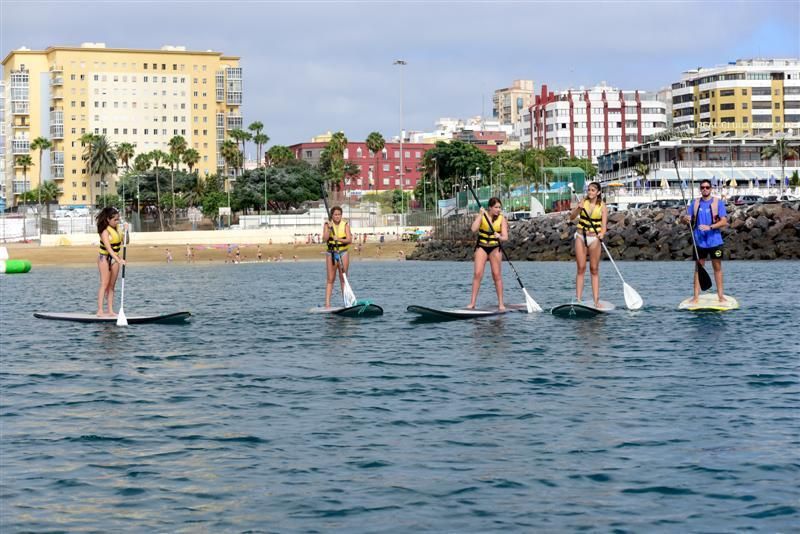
[{"x": 708, "y": 215}]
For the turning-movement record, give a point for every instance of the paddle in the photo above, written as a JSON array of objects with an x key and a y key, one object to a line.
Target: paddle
[
  {"x": 632, "y": 299},
  {"x": 702, "y": 274},
  {"x": 529, "y": 302},
  {"x": 347, "y": 292},
  {"x": 121, "y": 319}
]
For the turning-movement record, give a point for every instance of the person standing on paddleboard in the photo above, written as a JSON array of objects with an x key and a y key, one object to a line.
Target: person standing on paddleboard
[
  {"x": 592, "y": 214},
  {"x": 488, "y": 249},
  {"x": 336, "y": 233},
  {"x": 108, "y": 260},
  {"x": 708, "y": 216}
]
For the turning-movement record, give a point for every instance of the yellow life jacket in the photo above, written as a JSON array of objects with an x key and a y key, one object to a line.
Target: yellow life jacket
[
  {"x": 588, "y": 217},
  {"x": 114, "y": 238},
  {"x": 338, "y": 231},
  {"x": 486, "y": 235}
]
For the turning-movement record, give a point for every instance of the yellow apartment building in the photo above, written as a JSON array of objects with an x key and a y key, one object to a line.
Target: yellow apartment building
[
  {"x": 509, "y": 103},
  {"x": 144, "y": 97},
  {"x": 747, "y": 96}
]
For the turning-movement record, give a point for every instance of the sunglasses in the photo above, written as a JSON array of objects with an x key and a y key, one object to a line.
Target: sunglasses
[{"x": 705, "y": 187}]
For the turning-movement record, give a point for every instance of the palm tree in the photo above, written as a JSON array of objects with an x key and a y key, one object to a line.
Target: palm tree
[
  {"x": 641, "y": 169},
  {"x": 240, "y": 135},
  {"x": 41, "y": 144},
  {"x": 48, "y": 192},
  {"x": 781, "y": 149},
  {"x": 260, "y": 139},
  {"x": 88, "y": 140},
  {"x": 125, "y": 152},
  {"x": 103, "y": 160},
  {"x": 141, "y": 164},
  {"x": 25, "y": 162},
  {"x": 158, "y": 156},
  {"x": 278, "y": 155},
  {"x": 336, "y": 147},
  {"x": 190, "y": 158},
  {"x": 375, "y": 144},
  {"x": 177, "y": 146},
  {"x": 231, "y": 156}
]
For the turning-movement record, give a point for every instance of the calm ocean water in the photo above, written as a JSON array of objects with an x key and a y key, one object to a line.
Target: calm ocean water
[{"x": 258, "y": 417}]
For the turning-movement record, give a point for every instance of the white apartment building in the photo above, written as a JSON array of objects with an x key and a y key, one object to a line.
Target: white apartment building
[{"x": 591, "y": 122}]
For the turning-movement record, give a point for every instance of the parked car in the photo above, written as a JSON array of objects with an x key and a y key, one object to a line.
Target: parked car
[
  {"x": 634, "y": 206},
  {"x": 744, "y": 200},
  {"x": 789, "y": 198},
  {"x": 519, "y": 215},
  {"x": 771, "y": 199}
]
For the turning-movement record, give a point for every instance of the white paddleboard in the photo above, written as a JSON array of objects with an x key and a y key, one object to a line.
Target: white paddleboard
[
  {"x": 177, "y": 317},
  {"x": 709, "y": 302}
]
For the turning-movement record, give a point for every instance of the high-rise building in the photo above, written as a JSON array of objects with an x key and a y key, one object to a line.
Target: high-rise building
[
  {"x": 508, "y": 104},
  {"x": 591, "y": 122},
  {"x": 747, "y": 96},
  {"x": 3, "y": 201},
  {"x": 144, "y": 97}
]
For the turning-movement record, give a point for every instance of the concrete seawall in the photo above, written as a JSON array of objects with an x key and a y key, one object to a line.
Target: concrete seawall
[{"x": 760, "y": 232}]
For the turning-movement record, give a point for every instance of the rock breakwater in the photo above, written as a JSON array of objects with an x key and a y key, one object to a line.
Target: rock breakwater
[{"x": 759, "y": 232}]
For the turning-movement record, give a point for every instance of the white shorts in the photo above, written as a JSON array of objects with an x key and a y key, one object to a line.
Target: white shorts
[{"x": 589, "y": 238}]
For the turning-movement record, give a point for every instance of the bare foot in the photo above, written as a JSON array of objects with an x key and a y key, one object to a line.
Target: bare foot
[
  {"x": 722, "y": 298},
  {"x": 694, "y": 300},
  {"x": 597, "y": 304},
  {"x": 470, "y": 307},
  {"x": 100, "y": 314},
  {"x": 501, "y": 307}
]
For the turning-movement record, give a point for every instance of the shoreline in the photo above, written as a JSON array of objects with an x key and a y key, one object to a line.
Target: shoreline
[{"x": 86, "y": 255}]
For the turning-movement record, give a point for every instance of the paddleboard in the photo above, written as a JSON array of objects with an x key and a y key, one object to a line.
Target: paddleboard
[
  {"x": 709, "y": 302},
  {"x": 359, "y": 310},
  {"x": 177, "y": 317},
  {"x": 454, "y": 314},
  {"x": 580, "y": 310}
]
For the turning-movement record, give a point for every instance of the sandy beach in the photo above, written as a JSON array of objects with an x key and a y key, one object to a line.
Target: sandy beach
[{"x": 151, "y": 254}]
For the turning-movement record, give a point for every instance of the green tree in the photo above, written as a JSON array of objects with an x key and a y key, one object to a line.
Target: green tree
[
  {"x": 103, "y": 160},
  {"x": 455, "y": 161},
  {"x": 191, "y": 158},
  {"x": 48, "y": 192},
  {"x": 125, "y": 153},
  {"x": 278, "y": 155},
  {"x": 783, "y": 151},
  {"x": 177, "y": 146},
  {"x": 642, "y": 170},
  {"x": 332, "y": 162},
  {"x": 259, "y": 138},
  {"x": 87, "y": 141},
  {"x": 157, "y": 156},
  {"x": 238, "y": 136},
  {"x": 41, "y": 144},
  {"x": 375, "y": 144},
  {"x": 26, "y": 163},
  {"x": 141, "y": 164}
]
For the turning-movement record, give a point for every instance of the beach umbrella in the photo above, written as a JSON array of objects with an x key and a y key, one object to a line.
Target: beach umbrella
[
  {"x": 714, "y": 181},
  {"x": 771, "y": 181},
  {"x": 638, "y": 183},
  {"x": 755, "y": 181},
  {"x": 750, "y": 184},
  {"x": 786, "y": 181},
  {"x": 683, "y": 184},
  {"x": 733, "y": 183},
  {"x": 664, "y": 183}
]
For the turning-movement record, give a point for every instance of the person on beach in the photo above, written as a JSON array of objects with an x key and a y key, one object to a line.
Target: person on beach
[
  {"x": 708, "y": 216},
  {"x": 336, "y": 233},
  {"x": 258, "y": 253},
  {"x": 592, "y": 214},
  {"x": 487, "y": 248},
  {"x": 108, "y": 260}
]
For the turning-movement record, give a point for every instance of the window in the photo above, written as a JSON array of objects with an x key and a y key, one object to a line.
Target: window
[
  {"x": 145, "y": 66},
  {"x": 777, "y": 105},
  {"x": 726, "y": 92},
  {"x": 386, "y": 167},
  {"x": 744, "y": 105}
]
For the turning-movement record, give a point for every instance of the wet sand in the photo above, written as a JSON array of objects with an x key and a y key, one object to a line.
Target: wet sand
[{"x": 152, "y": 254}]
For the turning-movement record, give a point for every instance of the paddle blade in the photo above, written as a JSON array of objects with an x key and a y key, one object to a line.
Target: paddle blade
[
  {"x": 121, "y": 319},
  {"x": 632, "y": 299},
  {"x": 703, "y": 277},
  {"x": 530, "y": 303},
  {"x": 347, "y": 292}
]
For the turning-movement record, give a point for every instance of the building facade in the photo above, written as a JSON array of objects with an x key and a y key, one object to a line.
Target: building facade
[
  {"x": 381, "y": 173},
  {"x": 509, "y": 103},
  {"x": 747, "y": 96},
  {"x": 144, "y": 97},
  {"x": 592, "y": 122}
]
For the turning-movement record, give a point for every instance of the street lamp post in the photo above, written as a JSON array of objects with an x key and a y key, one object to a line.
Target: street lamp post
[{"x": 401, "y": 63}]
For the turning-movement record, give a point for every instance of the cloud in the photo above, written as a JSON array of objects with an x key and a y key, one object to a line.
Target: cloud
[{"x": 310, "y": 67}]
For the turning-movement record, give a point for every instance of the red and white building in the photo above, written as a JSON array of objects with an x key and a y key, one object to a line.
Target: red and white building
[
  {"x": 379, "y": 172},
  {"x": 592, "y": 122}
]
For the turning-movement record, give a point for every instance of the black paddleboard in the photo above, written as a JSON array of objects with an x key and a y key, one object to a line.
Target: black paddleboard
[
  {"x": 177, "y": 317},
  {"x": 359, "y": 310},
  {"x": 575, "y": 310},
  {"x": 455, "y": 314}
]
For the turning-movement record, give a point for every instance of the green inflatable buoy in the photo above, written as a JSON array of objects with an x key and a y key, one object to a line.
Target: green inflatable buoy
[{"x": 14, "y": 266}]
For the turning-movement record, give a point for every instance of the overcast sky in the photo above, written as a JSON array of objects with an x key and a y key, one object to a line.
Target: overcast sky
[{"x": 310, "y": 67}]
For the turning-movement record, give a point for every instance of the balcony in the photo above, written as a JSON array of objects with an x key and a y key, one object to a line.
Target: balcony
[
  {"x": 56, "y": 81},
  {"x": 20, "y": 146},
  {"x": 57, "y": 95},
  {"x": 234, "y": 99},
  {"x": 57, "y": 171},
  {"x": 56, "y": 68},
  {"x": 20, "y": 108},
  {"x": 235, "y": 122},
  {"x": 57, "y": 157}
]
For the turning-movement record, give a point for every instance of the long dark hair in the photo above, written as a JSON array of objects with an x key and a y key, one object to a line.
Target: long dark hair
[
  {"x": 494, "y": 201},
  {"x": 599, "y": 190},
  {"x": 103, "y": 218}
]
